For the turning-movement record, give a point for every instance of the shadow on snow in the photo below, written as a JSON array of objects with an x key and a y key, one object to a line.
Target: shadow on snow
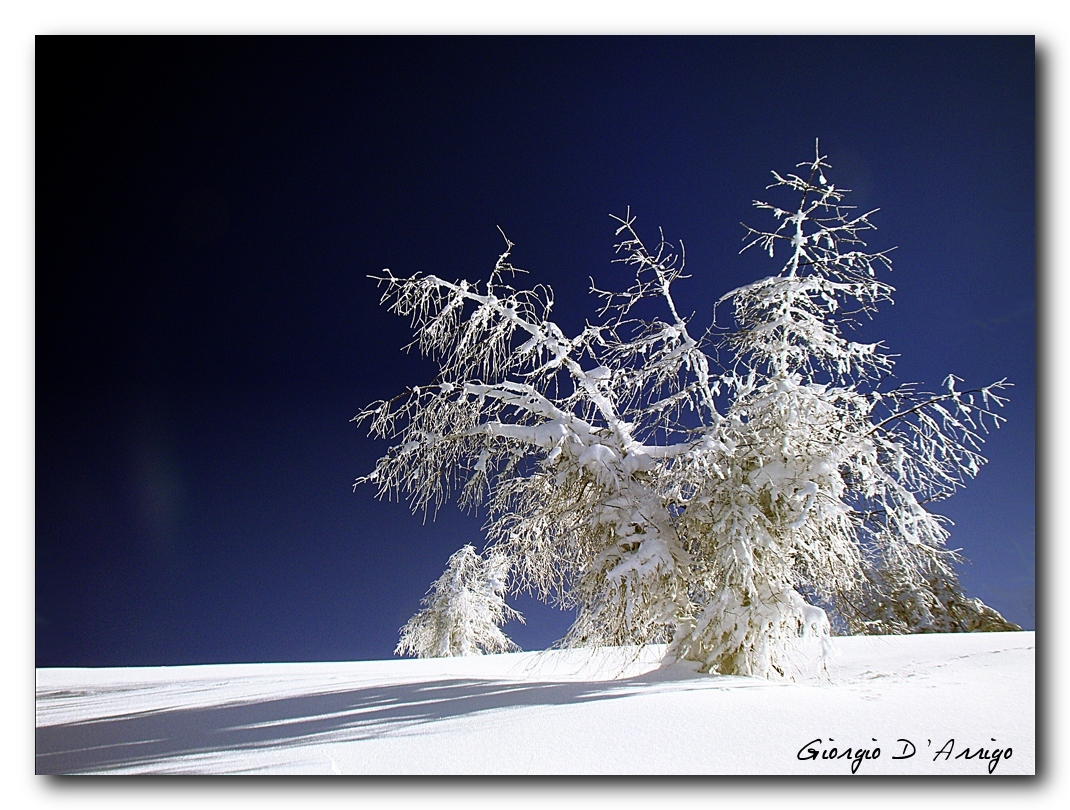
[{"x": 157, "y": 736}]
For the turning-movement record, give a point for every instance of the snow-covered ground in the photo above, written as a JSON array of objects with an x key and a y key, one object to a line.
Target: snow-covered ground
[{"x": 554, "y": 713}]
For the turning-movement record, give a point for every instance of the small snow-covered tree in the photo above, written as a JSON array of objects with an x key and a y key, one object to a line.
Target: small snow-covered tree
[
  {"x": 692, "y": 490},
  {"x": 463, "y": 610}
]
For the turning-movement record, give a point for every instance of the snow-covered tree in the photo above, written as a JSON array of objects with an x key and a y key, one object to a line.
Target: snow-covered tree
[
  {"x": 692, "y": 490},
  {"x": 463, "y": 610}
]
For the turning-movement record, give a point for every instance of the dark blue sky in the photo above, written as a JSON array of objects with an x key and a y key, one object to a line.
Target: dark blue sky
[{"x": 207, "y": 211}]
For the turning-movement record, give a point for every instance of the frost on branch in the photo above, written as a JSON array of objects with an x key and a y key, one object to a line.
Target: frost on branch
[
  {"x": 692, "y": 490},
  {"x": 463, "y": 610}
]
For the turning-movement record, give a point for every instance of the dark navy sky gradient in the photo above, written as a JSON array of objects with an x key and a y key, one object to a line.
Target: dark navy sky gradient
[{"x": 208, "y": 211}]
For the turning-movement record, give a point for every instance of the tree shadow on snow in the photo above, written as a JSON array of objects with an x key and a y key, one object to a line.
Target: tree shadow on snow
[{"x": 155, "y": 737}]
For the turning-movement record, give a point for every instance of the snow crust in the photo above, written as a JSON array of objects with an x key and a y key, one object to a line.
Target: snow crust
[{"x": 558, "y": 712}]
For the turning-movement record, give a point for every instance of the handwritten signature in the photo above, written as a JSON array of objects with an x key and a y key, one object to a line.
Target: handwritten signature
[{"x": 822, "y": 749}]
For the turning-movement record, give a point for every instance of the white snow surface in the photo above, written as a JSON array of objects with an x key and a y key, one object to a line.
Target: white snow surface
[{"x": 557, "y": 712}]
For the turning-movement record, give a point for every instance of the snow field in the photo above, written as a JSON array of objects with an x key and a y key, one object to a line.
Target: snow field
[{"x": 557, "y": 712}]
